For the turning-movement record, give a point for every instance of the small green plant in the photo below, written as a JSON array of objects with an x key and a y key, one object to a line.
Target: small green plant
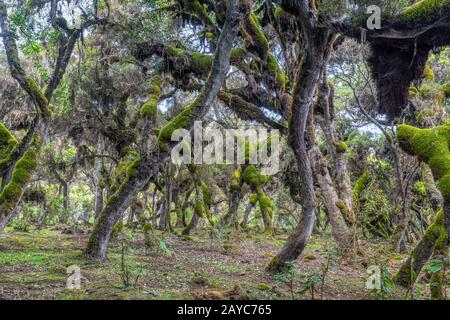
[
  {"x": 387, "y": 284},
  {"x": 331, "y": 257},
  {"x": 163, "y": 247},
  {"x": 289, "y": 277},
  {"x": 129, "y": 269},
  {"x": 299, "y": 282},
  {"x": 21, "y": 225}
]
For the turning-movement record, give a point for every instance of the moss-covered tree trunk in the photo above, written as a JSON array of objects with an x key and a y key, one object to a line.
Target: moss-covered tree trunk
[
  {"x": 431, "y": 146},
  {"x": 341, "y": 232},
  {"x": 325, "y": 115},
  {"x": 235, "y": 197},
  {"x": 150, "y": 164},
  {"x": 21, "y": 160},
  {"x": 113, "y": 210},
  {"x": 318, "y": 42},
  {"x": 430, "y": 185},
  {"x": 248, "y": 210}
]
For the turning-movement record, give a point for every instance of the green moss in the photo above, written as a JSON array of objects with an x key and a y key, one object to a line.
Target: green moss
[
  {"x": 150, "y": 108},
  {"x": 236, "y": 179},
  {"x": 413, "y": 91},
  {"x": 199, "y": 10},
  {"x": 207, "y": 198},
  {"x": 341, "y": 147},
  {"x": 264, "y": 286},
  {"x": 181, "y": 120},
  {"x": 345, "y": 211},
  {"x": 117, "y": 229},
  {"x": 253, "y": 199},
  {"x": 175, "y": 52},
  {"x": 429, "y": 73},
  {"x": 359, "y": 187},
  {"x": 274, "y": 69},
  {"x": 425, "y": 11},
  {"x": 274, "y": 264},
  {"x": 444, "y": 186},
  {"x": 432, "y": 147},
  {"x": 39, "y": 95},
  {"x": 278, "y": 12},
  {"x": 257, "y": 33},
  {"x": 237, "y": 54},
  {"x": 445, "y": 88},
  {"x": 201, "y": 62},
  {"x": 252, "y": 176},
  {"x": 198, "y": 209},
  {"x": 8, "y": 144},
  {"x": 20, "y": 177},
  {"x": 265, "y": 202}
]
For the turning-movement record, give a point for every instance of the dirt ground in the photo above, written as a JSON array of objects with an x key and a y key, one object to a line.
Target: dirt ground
[{"x": 34, "y": 266}]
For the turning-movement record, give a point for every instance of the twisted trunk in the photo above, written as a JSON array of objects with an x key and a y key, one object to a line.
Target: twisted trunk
[{"x": 149, "y": 165}]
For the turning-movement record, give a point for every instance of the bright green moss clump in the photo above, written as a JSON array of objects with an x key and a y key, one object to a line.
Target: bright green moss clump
[
  {"x": 425, "y": 11},
  {"x": 279, "y": 75},
  {"x": 341, "y": 147},
  {"x": 181, "y": 120},
  {"x": 359, "y": 187},
  {"x": 429, "y": 73},
  {"x": 20, "y": 177},
  {"x": 236, "y": 179},
  {"x": 430, "y": 146},
  {"x": 445, "y": 88},
  {"x": 435, "y": 235},
  {"x": 40, "y": 97},
  {"x": 150, "y": 109},
  {"x": 256, "y": 180},
  {"x": 7, "y": 145},
  {"x": 257, "y": 35},
  {"x": 201, "y": 63},
  {"x": 252, "y": 176}
]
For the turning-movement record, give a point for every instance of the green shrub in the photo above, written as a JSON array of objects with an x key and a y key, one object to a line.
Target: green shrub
[{"x": 21, "y": 225}]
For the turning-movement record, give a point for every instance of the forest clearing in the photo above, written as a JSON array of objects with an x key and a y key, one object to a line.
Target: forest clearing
[
  {"x": 224, "y": 149},
  {"x": 34, "y": 267}
]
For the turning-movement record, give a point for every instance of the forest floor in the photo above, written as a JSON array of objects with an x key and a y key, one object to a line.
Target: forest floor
[{"x": 33, "y": 266}]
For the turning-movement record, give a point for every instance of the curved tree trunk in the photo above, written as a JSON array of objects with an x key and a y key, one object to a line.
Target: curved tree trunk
[
  {"x": 247, "y": 212},
  {"x": 318, "y": 46},
  {"x": 149, "y": 164},
  {"x": 24, "y": 157},
  {"x": 341, "y": 233}
]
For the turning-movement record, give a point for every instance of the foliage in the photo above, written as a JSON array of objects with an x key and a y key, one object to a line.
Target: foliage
[
  {"x": 128, "y": 268},
  {"x": 21, "y": 225}
]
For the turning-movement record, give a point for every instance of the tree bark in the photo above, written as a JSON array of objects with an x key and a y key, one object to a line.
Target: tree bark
[
  {"x": 341, "y": 233},
  {"x": 317, "y": 48},
  {"x": 149, "y": 165}
]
